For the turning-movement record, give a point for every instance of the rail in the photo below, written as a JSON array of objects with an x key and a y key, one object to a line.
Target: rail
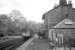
[{"x": 12, "y": 43}]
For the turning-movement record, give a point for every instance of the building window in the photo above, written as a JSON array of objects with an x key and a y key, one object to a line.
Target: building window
[{"x": 68, "y": 22}]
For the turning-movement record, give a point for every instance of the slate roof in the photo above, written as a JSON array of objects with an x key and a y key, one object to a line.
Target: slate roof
[{"x": 66, "y": 23}]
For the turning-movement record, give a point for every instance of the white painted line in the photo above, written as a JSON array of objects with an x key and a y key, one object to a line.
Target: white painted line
[{"x": 23, "y": 47}]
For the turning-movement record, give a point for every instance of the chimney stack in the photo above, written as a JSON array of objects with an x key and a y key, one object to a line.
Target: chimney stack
[{"x": 63, "y": 2}]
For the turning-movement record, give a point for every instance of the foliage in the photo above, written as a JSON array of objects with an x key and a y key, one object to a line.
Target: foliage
[{"x": 15, "y": 24}]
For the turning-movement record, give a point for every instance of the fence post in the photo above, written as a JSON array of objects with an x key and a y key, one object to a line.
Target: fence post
[{"x": 70, "y": 48}]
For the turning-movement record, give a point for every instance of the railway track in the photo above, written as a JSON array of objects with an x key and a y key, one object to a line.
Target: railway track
[{"x": 12, "y": 44}]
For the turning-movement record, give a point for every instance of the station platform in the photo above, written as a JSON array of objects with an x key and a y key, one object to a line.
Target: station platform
[{"x": 35, "y": 44}]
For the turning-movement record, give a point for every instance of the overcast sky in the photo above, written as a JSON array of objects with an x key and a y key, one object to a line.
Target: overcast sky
[{"x": 31, "y": 9}]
